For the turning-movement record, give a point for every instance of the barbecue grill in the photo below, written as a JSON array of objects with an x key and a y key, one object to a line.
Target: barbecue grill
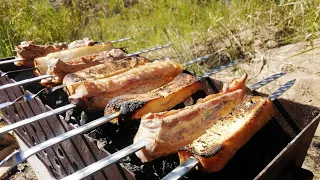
[{"x": 276, "y": 151}]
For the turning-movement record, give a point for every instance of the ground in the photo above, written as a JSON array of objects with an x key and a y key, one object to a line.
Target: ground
[{"x": 299, "y": 62}]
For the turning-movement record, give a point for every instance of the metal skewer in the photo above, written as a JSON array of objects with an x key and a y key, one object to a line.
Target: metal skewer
[
  {"x": 181, "y": 170},
  {"x": 7, "y": 58},
  {"x": 120, "y": 40},
  {"x": 28, "y": 97},
  {"x": 19, "y": 157},
  {"x": 266, "y": 81},
  {"x": 11, "y": 60},
  {"x": 36, "y": 118},
  {"x": 114, "y": 158},
  {"x": 26, "y": 81},
  {"x": 20, "y": 70},
  {"x": 220, "y": 68},
  {"x": 149, "y": 50},
  {"x": 188, "y": 165}
]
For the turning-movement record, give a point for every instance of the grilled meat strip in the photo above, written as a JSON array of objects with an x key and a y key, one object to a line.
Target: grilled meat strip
[
  {"x": 165, "y": 132},
  {"x": 28, "y": 50},
  {"x": 81, "y": 43},
  {"x": 228, "y": 134},
  {"x": 44, "y": 63},
  {"x": 61, "y": 69},
  {"x": 95, "y": 94},
  {"x": 105, "y": 70},
  {"x": 134, "y": 106}
]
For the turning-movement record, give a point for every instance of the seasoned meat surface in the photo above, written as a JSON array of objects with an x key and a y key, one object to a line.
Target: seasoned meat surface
[{"x": 228, "y": 134}]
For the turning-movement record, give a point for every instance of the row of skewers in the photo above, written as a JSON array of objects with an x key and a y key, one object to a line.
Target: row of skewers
[{"x": 129, "y": 87}]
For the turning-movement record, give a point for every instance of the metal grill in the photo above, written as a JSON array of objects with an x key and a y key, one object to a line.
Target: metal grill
[{"x": 275, "y": 151}]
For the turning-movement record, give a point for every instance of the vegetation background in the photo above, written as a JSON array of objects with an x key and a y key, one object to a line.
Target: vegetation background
[
  {"x": 195, "y": 27},
  {"x": 229, "y": 29}
]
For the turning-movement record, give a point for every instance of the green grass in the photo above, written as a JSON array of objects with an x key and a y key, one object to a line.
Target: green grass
[{"x": 195, "y": 27}]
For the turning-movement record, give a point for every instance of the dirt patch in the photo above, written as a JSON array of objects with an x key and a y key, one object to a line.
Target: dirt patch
[
  {"x": 304, "y": 67},
  {"x": 21, "y": 172},
  {"x": 312, "y": 161}
]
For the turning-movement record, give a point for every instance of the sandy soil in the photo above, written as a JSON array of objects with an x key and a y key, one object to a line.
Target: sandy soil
[
  {"x": 305, "y": 68},
  {"x": 21, "y": 172}
]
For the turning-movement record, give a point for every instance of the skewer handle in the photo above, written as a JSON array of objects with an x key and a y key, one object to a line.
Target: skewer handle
[
  {"x": 106, "y": 161},
  {"x": 182, "y": 170},
  {"x": 6, "y": 86}
]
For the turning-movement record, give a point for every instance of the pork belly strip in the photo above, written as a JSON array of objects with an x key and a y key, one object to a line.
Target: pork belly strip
[
  {"x": 95, "y": 94},
  {"x": 227, "y": 135},
  {"x": 81, "y": 43},
  {"x": 28, "y": 50},
  {"x": 43, "y": 63},
  {"x": 165, "y": 132},
  {"x": 60, "y": 69},
  {"x": 134, "y": 106},
  {"x": 105, "y": 70}
]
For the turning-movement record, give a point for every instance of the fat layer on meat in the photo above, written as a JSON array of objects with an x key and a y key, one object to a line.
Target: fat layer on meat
[
  {"x": 44, "y": 63},
  {"x": 134, "y": 106},
  {"x": 95, "y": 94},
  {"x": 28, "y": 51},
  {"x": 81, "y": 43},
  {"x": 228, "y": 134},
  {"x": 101, "y": 71},
  {"x": 61, "y": 68}
]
